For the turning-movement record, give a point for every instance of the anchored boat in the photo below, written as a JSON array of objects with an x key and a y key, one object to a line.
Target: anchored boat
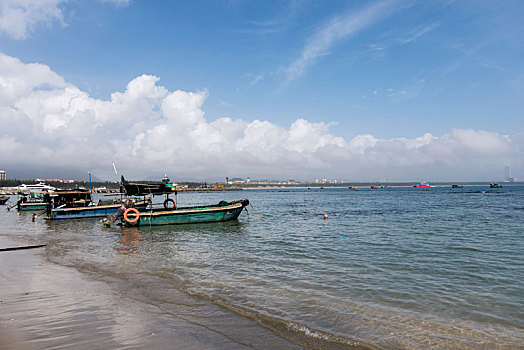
[
  {"x": 28, "y": 206},
  {"x": 73, "y": 204},
  {"x": 103, "y": 209},
  {"x": 169, "y": 213},
  {"x": 41, "y": 200},
  {"x": 24, "y": 188},
  {"x": 223, "y": 211},
  {"x": 422, "y": 185}
]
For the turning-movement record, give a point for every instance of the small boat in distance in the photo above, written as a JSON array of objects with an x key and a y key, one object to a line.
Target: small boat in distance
[
  {"x": 422, "y": 185},
  {"x": 457, "y": 186},
  {"x": 374, "y": 187},
  {"x": 494, "y": 185},
  {"x": 39, "y": 186}
]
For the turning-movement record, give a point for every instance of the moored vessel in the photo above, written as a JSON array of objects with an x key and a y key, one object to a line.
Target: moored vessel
[
  {"x": 422, "y": 185},
  {"x": 24, "y": 188},
  {"x": 95, "y": 211},
  {"x": 223, "y": 211}
]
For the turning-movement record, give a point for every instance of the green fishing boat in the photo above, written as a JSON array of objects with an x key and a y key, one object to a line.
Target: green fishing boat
[
  {"x": 34, "y": 202},
  {"x": 223, "y": 211},
  {"x": 169, "y": 213},
  {"x": 27, "y": 206}
]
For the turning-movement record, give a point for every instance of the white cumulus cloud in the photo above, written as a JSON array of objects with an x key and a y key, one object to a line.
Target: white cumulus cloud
[
  {"x": 150, "y": 131},
  {"x": 19, "y": 18}
]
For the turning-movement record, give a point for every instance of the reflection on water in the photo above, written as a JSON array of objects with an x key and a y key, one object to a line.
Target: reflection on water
[
  {"x": 129, "y": 241},
  {"x": 227, "y": 227}
]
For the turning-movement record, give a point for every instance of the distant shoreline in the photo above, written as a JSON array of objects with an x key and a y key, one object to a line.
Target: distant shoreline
[
  {"x": 383, "y": 185},
  {"x": 113, "y": 189}
]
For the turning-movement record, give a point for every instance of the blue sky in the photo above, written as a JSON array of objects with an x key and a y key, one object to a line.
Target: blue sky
[{"x": 395, "y": 70}]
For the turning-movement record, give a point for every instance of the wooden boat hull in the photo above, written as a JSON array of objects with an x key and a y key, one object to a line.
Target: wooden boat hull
[
  {"x": 32, "y": 206},
  {"x": 96, "y": 211},
  {"x": 3, "y": 200},
  {"x": 224, "y": 211},
  {"x": 71, "y": 198}
]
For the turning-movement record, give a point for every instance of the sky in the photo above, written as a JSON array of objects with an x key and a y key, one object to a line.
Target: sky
[{"x": 386, "y": 90}]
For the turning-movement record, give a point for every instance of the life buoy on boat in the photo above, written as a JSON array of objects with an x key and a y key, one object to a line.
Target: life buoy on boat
[
  {"x": 131, "y": 210},
  {"x": 166, "y": 204}
]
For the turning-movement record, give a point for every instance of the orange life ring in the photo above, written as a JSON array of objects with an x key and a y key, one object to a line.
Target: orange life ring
[
  {"x": 169, "y": 200},
  {"x": 137, "y": 215}
]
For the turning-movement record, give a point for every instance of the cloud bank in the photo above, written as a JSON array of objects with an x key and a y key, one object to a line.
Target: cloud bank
[{"x": 151, "y": 131}]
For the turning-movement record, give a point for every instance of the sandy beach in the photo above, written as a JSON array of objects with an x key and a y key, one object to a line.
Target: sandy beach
[{"x": 48, "y": 306}]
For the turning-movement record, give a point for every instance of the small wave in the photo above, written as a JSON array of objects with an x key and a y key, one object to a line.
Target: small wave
[
  {"x": 311, "y": 338},
  {"x": 469, "y": 249},
  {"x": 297, "y": 333}
]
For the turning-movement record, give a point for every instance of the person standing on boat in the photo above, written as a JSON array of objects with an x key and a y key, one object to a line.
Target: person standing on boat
[
  {"x": 21, "y": 200},
  {"x": 49, "y": 204}
]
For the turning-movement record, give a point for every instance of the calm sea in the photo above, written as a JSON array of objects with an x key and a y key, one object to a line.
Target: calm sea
[{"x": 393, "y": 268}]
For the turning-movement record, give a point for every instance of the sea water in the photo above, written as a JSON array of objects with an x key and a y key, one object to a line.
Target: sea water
[{"x": 392, "y": 268}]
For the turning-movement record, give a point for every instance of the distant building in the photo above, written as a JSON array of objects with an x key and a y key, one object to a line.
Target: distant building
[
  {"x": 292, "y": 182},
  {"x": 56, "y": 180},
  {"x": 327, "y": 181},
  {"x": 237, "y": 180},
  {"x": 2, "y": 175},
  {"x": 507, "y": 174}
]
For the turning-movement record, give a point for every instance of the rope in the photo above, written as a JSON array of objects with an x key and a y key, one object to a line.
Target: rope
[
  {"x": 150, "y": 208},
  {"x": 256, "y": 214}
]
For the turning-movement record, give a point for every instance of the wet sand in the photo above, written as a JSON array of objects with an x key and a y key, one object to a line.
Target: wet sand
[{"x": 48, "y": 306}]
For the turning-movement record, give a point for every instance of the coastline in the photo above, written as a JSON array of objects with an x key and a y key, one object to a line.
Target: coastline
[
  {"x": 45, "y": 305},
  {"x": 273, "y": 186}
]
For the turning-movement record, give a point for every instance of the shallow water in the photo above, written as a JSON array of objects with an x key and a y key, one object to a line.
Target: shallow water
[{"x": 393, "y": 268}]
